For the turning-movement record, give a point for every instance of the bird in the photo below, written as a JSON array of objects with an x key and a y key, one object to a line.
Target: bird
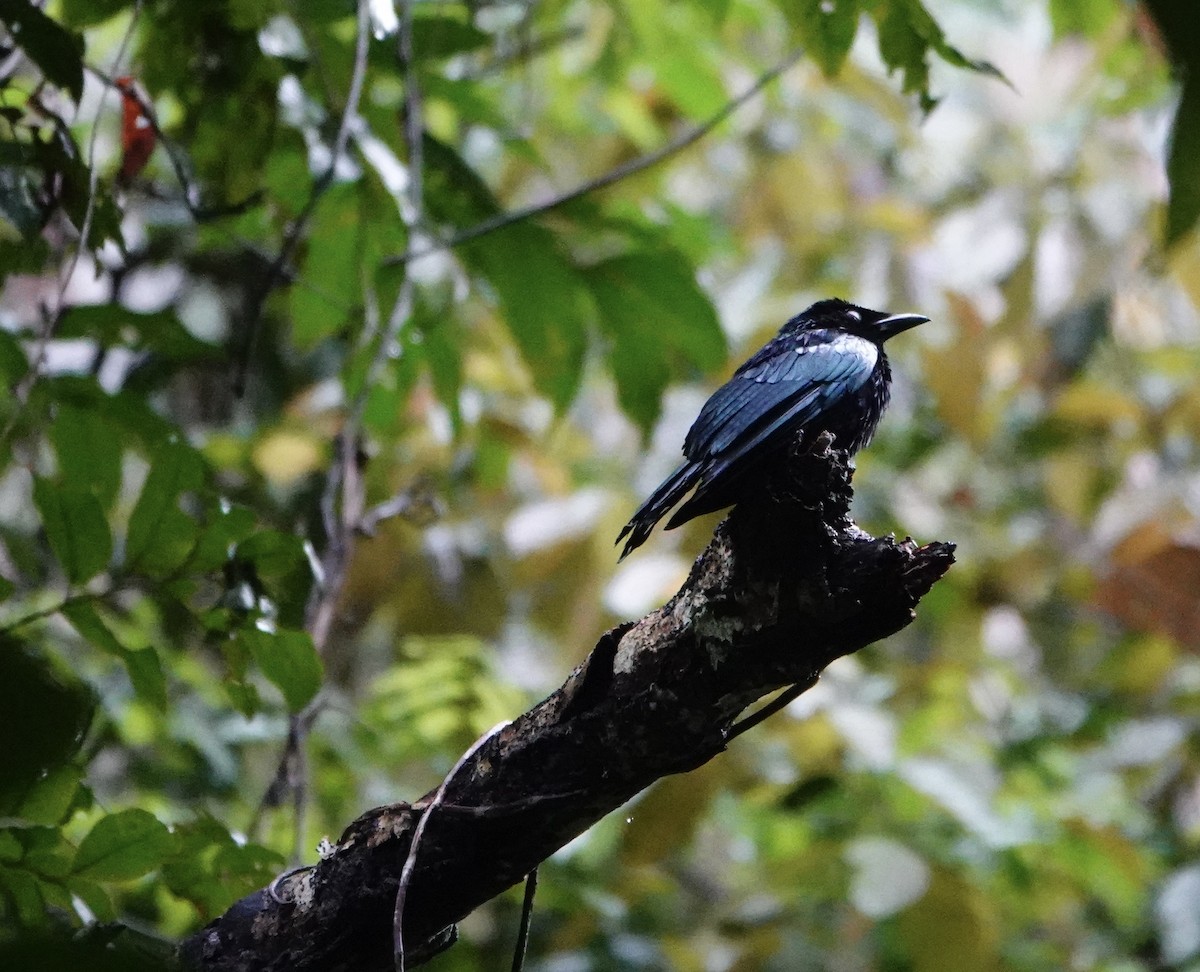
[{"x": 825, "y": 371}]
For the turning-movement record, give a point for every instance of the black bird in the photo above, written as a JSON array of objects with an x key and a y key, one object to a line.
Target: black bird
[{"x": 825, "y": 371}]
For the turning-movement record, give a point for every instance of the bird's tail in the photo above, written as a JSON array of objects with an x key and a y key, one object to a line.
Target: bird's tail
[{"x": 672, "y": 490}]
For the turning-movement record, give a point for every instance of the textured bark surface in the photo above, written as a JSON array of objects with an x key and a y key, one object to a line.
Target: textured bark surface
[{"x": 787, "y": 585}]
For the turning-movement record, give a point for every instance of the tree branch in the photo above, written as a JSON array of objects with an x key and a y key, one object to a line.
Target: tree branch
[
  {"x": 787, "y": 585},
  {"x": 614, "y": 175}
]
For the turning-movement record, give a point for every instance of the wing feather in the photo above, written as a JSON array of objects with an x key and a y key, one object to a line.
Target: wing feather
[{"x": 797, "y": 384}]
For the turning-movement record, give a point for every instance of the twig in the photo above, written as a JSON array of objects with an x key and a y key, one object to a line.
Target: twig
[
  {"x": 342, "y": 499},
  {"x": 526, "y": 50},
  {"x": 620, "y": 172},
  {"x": 18, "y": 623},
  {"x": 410, "y": 862},
  {"x": 295, "y": 232},
  {"x": 414, "y": 136},
  {"x": 522, "y": 947},
  {"x": 782, "y": 700}
]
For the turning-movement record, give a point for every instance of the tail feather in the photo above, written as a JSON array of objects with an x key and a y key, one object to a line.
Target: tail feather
[{"x": 672, "y": 490}]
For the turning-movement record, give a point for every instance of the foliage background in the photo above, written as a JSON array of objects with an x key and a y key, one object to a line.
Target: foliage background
[{"x": 218, "y": 378}]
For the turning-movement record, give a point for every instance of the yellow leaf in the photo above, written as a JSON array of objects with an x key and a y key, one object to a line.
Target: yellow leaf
[
  {"x": 284, "y": 455},
  {"x": 950, "y": 927},
  {"x": 1089, "y": 404},
  {"x": 1070, "y": 480},
  {"x": 955, "y": 373}
]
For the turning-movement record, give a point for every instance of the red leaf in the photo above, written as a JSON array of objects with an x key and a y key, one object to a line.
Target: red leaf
[{"x": 137, "y": 131}]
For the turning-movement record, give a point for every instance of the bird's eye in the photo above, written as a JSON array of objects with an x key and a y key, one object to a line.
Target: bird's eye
[{"x": 854, "y": 314}]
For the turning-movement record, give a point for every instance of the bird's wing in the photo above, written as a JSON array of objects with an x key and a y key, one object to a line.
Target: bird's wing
[{"x": 776, "y": 391}]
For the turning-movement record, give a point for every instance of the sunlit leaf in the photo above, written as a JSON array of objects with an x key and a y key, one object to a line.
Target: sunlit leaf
[{"x": 1087, "y": 17}]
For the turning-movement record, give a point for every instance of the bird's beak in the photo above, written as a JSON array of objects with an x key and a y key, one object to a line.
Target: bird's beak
[{"x": 891, "y": 326}]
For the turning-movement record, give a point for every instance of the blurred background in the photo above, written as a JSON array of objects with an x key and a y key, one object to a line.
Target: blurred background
[{"x": 280, "y": 464}]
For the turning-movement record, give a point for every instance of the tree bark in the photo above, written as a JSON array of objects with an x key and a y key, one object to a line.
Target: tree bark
[{"x": 788, "y": 584}]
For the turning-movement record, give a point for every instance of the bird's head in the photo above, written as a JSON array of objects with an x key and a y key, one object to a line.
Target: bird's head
[{"x": 840, "y": 315}]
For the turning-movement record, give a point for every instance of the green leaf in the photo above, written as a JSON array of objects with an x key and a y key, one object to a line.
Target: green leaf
[
  {"x": 827, "y": 27},
  {"x": 328, "y": 287},
  {"x": 122, "y": 846},
  {"x": 51, "y": 797},
  {"x": 146, "y": 674},
  {"x": 19, "y": 185},
  {"x": 1087, "y": 17},
  {"x": 24, "y": 256},
  {"x": 76, "y": 528},
  {"x": 437, "y": 36},
  {"x": 272, "y": 552},
  {"x": 282, "y": 567},
  {"x": 676, "y": 41},
  {"x": 126, "y": 410},
  {"x": 55, "y": 50},
  {"x": 40, "y": 707},
  {"x": 142, "y": 664},
  {"x": 544, "y": 302},
  {"x": 212, "y": 871},
  {"x": 541, "y": 294},
  {"x": 86, "y": 13},
  {"x": 903, "y": 48},
  {"x": 114, "y": 326},
  {"x": 87, "y": 622},
  {"x": 89, "y": 452},
  {"x": 23, "y": 890},
  {"x": 693, "y": 83},
  {"x": 160, "y": 534},
  {"x": 659, "y": 320},
  {"x": 1183, "y": 169},
  {"x": 444, "y": 356},
  {"x": 227, "y": 527},
  {"x": 907, "y": 33},
  {"x": 289, "y": 660},
  {"x": 94, "y": 896},
  {"x": 10, "y": 847},
  {"x": 47, "y": 852}
]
